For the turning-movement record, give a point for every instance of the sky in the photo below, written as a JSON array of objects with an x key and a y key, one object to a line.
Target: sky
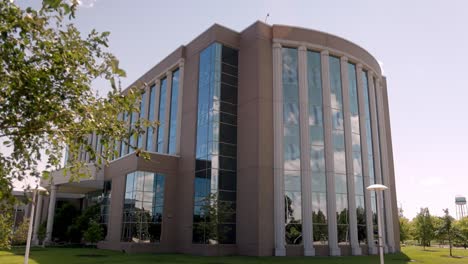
[{"x": 420, "y": 43}]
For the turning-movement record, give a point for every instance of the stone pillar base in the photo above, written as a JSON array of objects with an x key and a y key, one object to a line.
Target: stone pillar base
[
  {"x": 280, "y": 252},
  {"x": 390, "y": 249},
  {"x": 356, "y": 251},
  {"x": 335, "y": 251},
  {"x": 373, "y": 250},
  {"x": 309, "y": 252}
]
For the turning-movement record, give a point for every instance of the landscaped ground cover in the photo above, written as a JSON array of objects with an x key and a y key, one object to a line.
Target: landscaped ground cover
[{"x": 433, "y": 255}]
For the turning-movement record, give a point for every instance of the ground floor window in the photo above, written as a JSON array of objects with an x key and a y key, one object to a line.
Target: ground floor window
[{"x": 143, "y": 207}]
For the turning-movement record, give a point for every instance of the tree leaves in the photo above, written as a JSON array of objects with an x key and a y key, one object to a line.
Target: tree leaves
[{"x": 46, "y": 100}]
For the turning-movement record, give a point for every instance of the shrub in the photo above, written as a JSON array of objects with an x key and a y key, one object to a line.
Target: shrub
[
  {"x": 20, "y": 234},
  {"x": 41, "y": 233},
  {"x": 5, "y": 230},
  {"x": 94, "y": 233}
]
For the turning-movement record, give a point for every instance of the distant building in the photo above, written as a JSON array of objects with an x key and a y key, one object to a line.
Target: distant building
[{"x": 268, "y": 138}]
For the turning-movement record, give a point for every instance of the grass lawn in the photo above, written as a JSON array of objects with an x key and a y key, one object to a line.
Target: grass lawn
[{"x": 82, "y": 255}]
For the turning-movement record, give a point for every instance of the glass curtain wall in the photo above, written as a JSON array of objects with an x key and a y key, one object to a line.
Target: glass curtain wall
[
  {"x": 150, "y": 116},
  {"x": 105, "y": 205},
  {"x": 356, "y": 151},
  {"x": 143, "y": 207},
  {"x": 317, "y": 149},
  {"x": 142, "y": 114},
  {"x": 214, "y": 219},
  {"x": 161, "y": 116},
  {"x": 338, "y": 142},
  {"x": 291, "y": 147},
  {"x": 370, "y": 152},
  {"x": 123, "y": 145},
  {"x": 173, "y": 112}
]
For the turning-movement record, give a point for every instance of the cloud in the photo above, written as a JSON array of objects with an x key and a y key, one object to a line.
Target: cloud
[{"x": 86, "y": 3}]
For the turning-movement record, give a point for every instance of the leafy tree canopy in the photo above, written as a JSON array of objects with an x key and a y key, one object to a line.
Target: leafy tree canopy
[{"x": 47, "y": 67}]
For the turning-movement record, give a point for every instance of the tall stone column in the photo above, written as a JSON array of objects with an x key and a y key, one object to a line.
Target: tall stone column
[
  {"x": 37, "y": 219},
  {"x": 355, "y": 249},
  {"x": 306, "y": 177},
  {"x": 329, "y": 159},
  {"x": 365, "y": 162},
  {"x": 51, "y": 213},
  {"x": 167, "y": 117},
  {"x": 280, "y": 249},
  {"x": 180, "y": 103}
]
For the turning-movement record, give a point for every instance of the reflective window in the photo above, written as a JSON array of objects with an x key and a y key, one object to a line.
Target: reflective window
[
  {"x": 123, "y": 145},
  {"x": 132, "y": 138},
  {"x": 370, "y": 153},
  {"x": 142, "y": 114},
  {"x": 356, "y": 152},
  {"x": 339, "y": 156},
  {"x": 150, "y": 117},
  {"x": 214, "y": 214},
  {"x": 105, "y": 205},
  {"x": 317, "y": 149},
  {"x": 291, "y": 146},
  {"x": 143, "y": 207},
  {"x": 173, "y": 112},
  {"x": 161, "y": 116}
]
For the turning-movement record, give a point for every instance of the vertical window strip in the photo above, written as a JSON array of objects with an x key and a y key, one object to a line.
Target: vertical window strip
[
  {"x": 317, "y": 149},
  {"x": 370, "y": 151},
  {"x": 292, "y": 157},
  {"x": 150, "y": 117},
  {"x": 215, "y": 173},
  {"x": 142, "y": 115},
  {"x": 161, "y": 116},
  {"x": 339, "y": 156},
  {"x": 173, "y": 112},
  {"x": 356, "y": 151}
]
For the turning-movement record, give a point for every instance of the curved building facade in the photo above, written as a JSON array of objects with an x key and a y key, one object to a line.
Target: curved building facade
[{"x": 267, "y": 141}]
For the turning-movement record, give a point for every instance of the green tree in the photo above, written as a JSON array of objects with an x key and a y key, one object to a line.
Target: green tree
[
  {"x": 47, "y": 67},
  {"x": 424, "y": 227},
  {"x": 446, "y": 230},
  {"x": 462, "y": 232},
  {"x": 405, "y": 226}
]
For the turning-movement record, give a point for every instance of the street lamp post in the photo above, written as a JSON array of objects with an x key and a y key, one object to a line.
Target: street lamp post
[
  {"x": 379, "y": 188},
  {"x": 35, "y": 193}
]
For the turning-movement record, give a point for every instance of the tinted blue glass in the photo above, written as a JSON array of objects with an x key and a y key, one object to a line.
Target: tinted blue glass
[
  {"x": 143, "y": 207},
  {"x": 356, "y": 150},
  {"x": 339, "y": 155},
  {"x": 123, "y": 145},
  {"x": 150, "y": 116},
  {"x": 335, "y": 83},
  {"x": 173, "y": 113},
  {"x": 162, "y": 115},
  {"x": 142, "y": 114},
  {"x": 317, "y": 153},
  {"x": 369, "y": 132},
  {"x": 291, "y": 145},
  {"x": 215, "y": 175}
]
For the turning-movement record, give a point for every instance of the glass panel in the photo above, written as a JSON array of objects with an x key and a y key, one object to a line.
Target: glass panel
[
  {"x": 335, "y": 83},
  {"x": 173, "y": 112},
  {"x": 161, "y": 116},
  {"x": 216, "y": 165},
  {"x": 143, "y": 207}
]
